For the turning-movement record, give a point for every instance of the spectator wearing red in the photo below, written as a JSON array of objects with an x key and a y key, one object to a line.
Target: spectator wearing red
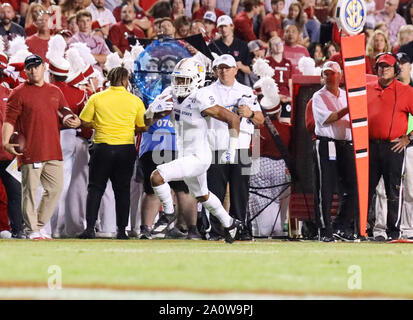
[
  {"x": 272, "y": 24},
  {"x": 38, "y": 43},
  {"x": 121, "y": 31},
  {"x": 292, "y": 50},
  {"x": 283, "y": 69},
  {"x": 207, "y": 5},
  {"x": 243, "y": 21}
]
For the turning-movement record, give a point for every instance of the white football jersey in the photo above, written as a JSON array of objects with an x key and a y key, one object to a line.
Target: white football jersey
[{"x": 191, "y": 129}]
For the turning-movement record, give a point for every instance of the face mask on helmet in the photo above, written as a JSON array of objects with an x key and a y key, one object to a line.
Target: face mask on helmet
[{"x": 187, "y": 77}]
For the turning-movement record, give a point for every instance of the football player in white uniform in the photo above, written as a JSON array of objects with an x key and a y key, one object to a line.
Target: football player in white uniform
[{"x": 189, "y": 108}]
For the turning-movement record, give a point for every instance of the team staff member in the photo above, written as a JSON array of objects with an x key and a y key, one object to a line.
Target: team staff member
[
  {"x": 32, "y": 111},
  {"x": 389, "y": 104},
  {"x": 114, "y": 114},
  {"x": 240, "y": 99},
  {"x": 333, "y": 155},
  {"x": 11, "y": 185}
]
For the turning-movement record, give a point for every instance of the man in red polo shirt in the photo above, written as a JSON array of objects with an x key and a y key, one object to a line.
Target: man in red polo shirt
[
  {"x": 389, "y": 104},
  {"x": 243, "y": 24},
  {"x": 37, "y": 120},
  {"x": 121, "y": 31}
]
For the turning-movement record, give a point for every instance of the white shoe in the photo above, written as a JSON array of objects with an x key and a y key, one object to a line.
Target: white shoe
[
  {"x": 105, "y": 234},
  {"x": 5, "y": 234},
  {"x": 45, "y": 235},
  {"x": 35, "y": 236}
]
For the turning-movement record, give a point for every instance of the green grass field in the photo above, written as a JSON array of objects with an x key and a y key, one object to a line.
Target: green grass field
[{"x": 280, "y": 269}]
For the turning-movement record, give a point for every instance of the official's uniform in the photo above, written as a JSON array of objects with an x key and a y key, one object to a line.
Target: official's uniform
[
  {"x": 333, "y": 162},
  {"x": 388, "y": 110},
  {"x": 236, "y": 174}
]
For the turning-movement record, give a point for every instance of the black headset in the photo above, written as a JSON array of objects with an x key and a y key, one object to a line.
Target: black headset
[{"x": 396, "y": 65}]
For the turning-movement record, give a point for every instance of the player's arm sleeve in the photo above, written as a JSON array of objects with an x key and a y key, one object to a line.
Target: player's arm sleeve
[
  {"x": 320, "y": 111},
  {"x": 14, "y": 108},
  {"x": 206, "y": 99},
  {"x": 139, "y": 120},
  {"x": 88, "y": 111}
]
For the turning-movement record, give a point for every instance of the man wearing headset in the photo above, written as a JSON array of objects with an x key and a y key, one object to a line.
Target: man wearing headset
[{"x": 389, "y": 103}]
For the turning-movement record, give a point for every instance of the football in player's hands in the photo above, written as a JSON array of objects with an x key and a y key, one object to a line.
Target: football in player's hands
[
  {"x": 17, "y": 138},
  {"x": 65, "y": 113}
]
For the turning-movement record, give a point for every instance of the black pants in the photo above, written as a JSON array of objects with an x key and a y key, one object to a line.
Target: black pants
[
  {"x": 14, "y": 198},
  {"x": 114, "y": 162},
  {"x": 238, "y": 177},
  {"x": 332, "y": 175},
  {"x": 387, "y": 163}
]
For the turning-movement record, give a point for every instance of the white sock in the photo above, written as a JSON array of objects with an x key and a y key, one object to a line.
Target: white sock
[
  {"x": 214, "y": 206},
  {"x": 163, "y": 192}
]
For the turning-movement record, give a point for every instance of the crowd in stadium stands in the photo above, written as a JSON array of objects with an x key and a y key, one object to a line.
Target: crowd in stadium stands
[{"x": 280, "y": 31}]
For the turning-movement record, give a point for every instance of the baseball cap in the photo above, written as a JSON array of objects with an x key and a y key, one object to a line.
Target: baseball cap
[
  {"x": 331, "y": 65},
  {"x": 32, "y": 61},
  {"x": 254, "y": 45},
  {"x": 224, "y": 21},
  {"x": 387, "y": 58},
  {"x": 226, "y": 59},
  {"x": 211, "y": 16},
  {"x": 403, "y": 58}
]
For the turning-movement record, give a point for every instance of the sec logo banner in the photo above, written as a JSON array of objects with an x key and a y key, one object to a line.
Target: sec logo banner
[{"x": 351, "y": 16}]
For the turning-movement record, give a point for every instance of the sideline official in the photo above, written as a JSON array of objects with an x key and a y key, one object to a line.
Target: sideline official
[{"x": 333, "y": 157}]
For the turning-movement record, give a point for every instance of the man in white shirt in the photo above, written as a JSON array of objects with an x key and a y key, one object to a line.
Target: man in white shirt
[
  {"x": 240, "y": 99},
  {"x": 333, "y": 157},
  {"x": 102, "y": 15}
]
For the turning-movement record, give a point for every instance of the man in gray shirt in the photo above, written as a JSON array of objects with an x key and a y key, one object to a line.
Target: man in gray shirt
[{"x": 9, "y": 29}]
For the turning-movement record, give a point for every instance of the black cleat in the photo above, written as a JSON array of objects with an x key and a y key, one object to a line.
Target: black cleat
[
  {"x": 193, "y": 233},
  {"x": 145, "y": 233},
  {"x": 327, "y": 239},
  {"x": 163, "y": 222},
  {"x": 232, "y": 232},
  {"x": 175, "y": 233},
  {"x": 87, "y": 234},
  {"x": 380, "y": 239},
  {"x": 19, "y": 235},
  {"x": 245, "y": 235},
  {"x": 121, "y": 235},
  {"x": 345, "y": 236}
]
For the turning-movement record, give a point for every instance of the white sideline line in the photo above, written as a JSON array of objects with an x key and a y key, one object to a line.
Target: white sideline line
[{"x": 105, "y": 294}]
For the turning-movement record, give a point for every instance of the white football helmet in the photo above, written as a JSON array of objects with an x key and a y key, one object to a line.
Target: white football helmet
[{"x": 188, "y": 75}]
